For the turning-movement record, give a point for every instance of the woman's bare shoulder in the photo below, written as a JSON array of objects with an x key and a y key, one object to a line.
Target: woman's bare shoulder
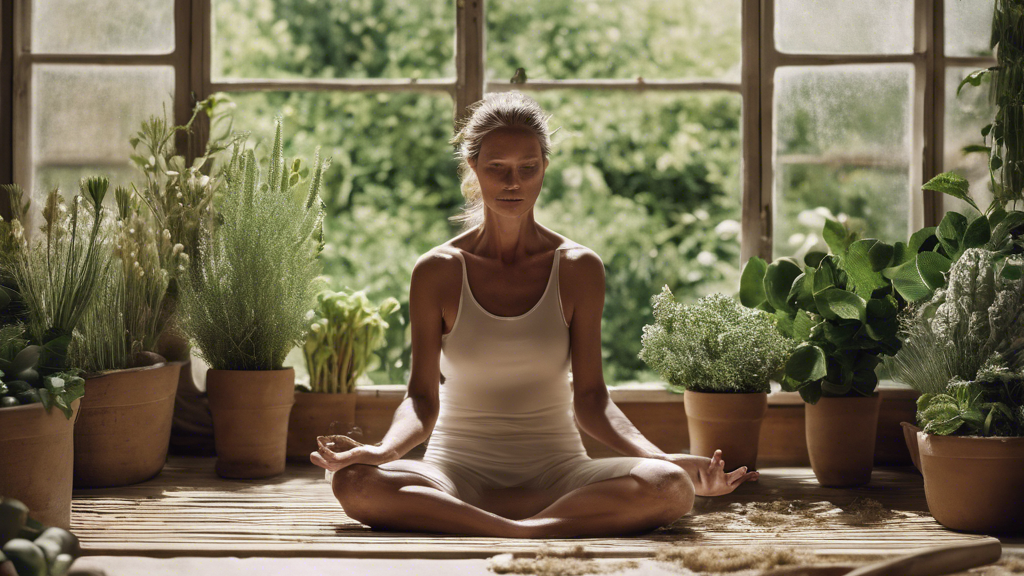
[{"x": 435, "y": 269}]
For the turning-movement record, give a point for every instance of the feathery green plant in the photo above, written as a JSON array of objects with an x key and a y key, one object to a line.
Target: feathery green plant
[
  {"x": 245, "y": 302},
  {"x": 715, "y": 345}
]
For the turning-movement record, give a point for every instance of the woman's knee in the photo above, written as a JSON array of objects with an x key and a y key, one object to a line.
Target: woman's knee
[
  {"x": 354, "y": 486},
  {"x": 667, "y": 484}
]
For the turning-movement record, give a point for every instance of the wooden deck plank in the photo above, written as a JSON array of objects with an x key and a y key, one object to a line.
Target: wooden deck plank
[{"x": 188, "y": 511}]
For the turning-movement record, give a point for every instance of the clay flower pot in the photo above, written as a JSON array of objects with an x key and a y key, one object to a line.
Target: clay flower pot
[
  {"x": 973, "y": 483},
  {"x": 250, "y": 411},
  {"x": 124, "y": 425},
  {"x": 37, "y": 460},
  {"x": 841, "y": 439},
  {"x": 910, "y": 435},
  {"x": 727, "y": 421},
  {"x": 317, "y": 414}
]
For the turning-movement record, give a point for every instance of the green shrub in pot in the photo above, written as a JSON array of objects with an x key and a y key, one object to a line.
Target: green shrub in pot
[
  {"x": 345, "y": 329},
  {"x": 244, "y": 304},
  {"x": 714, "y": 345},
  {"x": 723, "y": 356}
]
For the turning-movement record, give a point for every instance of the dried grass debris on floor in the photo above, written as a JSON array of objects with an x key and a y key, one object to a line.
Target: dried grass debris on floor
[
  {"x": 778, "y": 515},
  {"x": 557, "y": 561},
  {"x": 732, "y": 559}
]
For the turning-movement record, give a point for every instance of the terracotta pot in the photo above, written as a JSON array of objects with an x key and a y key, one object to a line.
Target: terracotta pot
[
  {"x": 250, "y": 411},
  {"x": 37, "y": 460},
  {"x": 972, "y": 483},
  {"x": 910, "y": 435},
  {"x": 841, "y": 439},
  {"x": 124, "y": 428},
  {"x": 316, "y": 414},
  {"x": 727, "y": 421}
]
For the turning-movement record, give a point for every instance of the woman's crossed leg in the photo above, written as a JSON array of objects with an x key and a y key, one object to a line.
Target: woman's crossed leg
[{"x": 653, "y": 494}]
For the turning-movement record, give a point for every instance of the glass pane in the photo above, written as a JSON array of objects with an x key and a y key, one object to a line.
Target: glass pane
[
  {"x": 968, "y": 27},
  {"x": 563, "y": 39},
  {"x": 389, "y": 191},
  {"x": 842, "y": 150},
  {"x": 845, "y": 27},
  {"x": 351, "y": 39},
  {"x": 651, "y": 183},
  {"x": 103, "y": 26},
  {"x": 965, "y": 116},
  {"x": 83, "y": 116}
]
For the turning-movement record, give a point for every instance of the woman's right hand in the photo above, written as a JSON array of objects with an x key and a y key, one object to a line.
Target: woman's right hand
[{"x": 337, "y": 452}]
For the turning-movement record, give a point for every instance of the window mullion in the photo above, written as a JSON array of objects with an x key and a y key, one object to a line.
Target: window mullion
[
  {"x": 758, "y": 70},
  {"x": 197, "y": 30},
  {"x": 21, "y": 102},
  {"x": 470, "y": 38}
]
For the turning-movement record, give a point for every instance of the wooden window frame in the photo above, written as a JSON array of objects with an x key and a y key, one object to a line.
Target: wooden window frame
[{"x": 191, "y": 60}]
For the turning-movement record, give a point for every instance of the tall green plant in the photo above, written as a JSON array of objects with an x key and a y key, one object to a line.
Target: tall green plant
[
  {"x": 245, "y": 302},
  {"x": 344, "y": 331}
]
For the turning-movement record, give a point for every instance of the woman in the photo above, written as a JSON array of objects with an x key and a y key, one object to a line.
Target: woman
[{"x": 499, "y": 315}]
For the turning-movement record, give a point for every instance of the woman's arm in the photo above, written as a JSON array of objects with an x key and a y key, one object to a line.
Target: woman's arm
[
  {"x": 415, "y": 417},
  {"x": 596, "y": 414}
]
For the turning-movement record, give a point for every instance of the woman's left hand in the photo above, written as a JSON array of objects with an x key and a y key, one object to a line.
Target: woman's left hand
[{"x": 709, "y": 475}]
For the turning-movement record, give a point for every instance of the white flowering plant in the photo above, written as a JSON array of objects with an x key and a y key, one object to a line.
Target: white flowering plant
[{"x": 715, "y": 345}]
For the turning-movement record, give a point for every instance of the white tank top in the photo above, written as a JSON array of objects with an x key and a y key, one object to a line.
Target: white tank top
[{"x": 506, "y": 400}]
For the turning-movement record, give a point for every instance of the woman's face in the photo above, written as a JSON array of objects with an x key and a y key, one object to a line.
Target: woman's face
[{"x": 510, "y": 166}]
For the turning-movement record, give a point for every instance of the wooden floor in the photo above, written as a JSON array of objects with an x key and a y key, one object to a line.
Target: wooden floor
[{"x": 188, "y": 511}]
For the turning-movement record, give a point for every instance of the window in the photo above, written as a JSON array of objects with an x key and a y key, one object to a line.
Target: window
[{"x": 692, "y": 134}]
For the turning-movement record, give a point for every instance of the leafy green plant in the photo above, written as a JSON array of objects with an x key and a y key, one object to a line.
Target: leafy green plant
[
  {"x": 715, "y": 345},
  {"x": 245, "y": 303},
  {"x": 179, "y": 197},
  {"x": 57, "y": 276},
  {"x": 991, "y": 404},
  {"x": 344, "y": 331},
  {"x": 839, "y": 307}
]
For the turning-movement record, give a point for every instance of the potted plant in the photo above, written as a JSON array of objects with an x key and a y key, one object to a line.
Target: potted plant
[
  {"x": 124, "y": 427},
  {"x": 722, "y": 355},
  {"x": 345, "y": 329},
  {"x": 54, "y": 277},
  {"x": 180, "y": 199},
  {"x": 245, "y": 305}
]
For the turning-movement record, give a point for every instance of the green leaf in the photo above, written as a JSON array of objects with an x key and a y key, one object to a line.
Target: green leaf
[
  {"x": 995, "y": 164},
  {"x": 1001, "y": 233},
  {"x": 801, "y": 297},
  {"x": 807, "y": 363},
  {"x": 919, "y": 239},
  {"x": 811, "y": 394},
  {"x": 978, "y": 233},
  {"x": 813, "y": 258},
  {"x": 752, "y": 282},
  {"x": 836, "y": 237},
  {"x": 834, "y": 389},
  {"x": 802, "y": 326},
  {"x": 973, "y": 148},
  {"x": 974, "y": 79},
  {"x": 951, "y": 232},
  {"x": 842, "y": 303},
  {"x": 918, "y": 279},
  {"x": 778, "y": 281},
  {"x": 864, "y": 260},
  {"x": 1011, "y": 272},
  {"x": 986, "y": 129},
  {"x": 953, "y": 184}
]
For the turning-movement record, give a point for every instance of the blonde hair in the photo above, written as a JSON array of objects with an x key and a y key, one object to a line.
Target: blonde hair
[{"x": 496, "y": 110}]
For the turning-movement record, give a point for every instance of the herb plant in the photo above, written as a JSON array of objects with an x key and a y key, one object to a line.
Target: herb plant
[
  {"x": 715, "y": 345},
  {"x": 245, "y": 302},
  {"x": 992, "y": 404},
  {"x": 344, "y": 331}
]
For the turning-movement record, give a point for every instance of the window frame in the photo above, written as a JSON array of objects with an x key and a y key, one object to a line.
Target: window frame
[{"x": 191, "y": 60}]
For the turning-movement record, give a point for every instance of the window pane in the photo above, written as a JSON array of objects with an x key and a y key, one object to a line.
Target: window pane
[
  {"x": 842, "y": 150},
  {"x": 83, "y": 116},
  {"x": 351, "y": 39},
  {"x": 968, "y": 27},
  {"x": 651, "y": 183},
  {"x": 564, "y": 39},
  {"x": 845, "y": 27},
  {"x": 965, "y": 116},
  {"x": 103, "y": 26},
  {"x": 389, "y": 191}
]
